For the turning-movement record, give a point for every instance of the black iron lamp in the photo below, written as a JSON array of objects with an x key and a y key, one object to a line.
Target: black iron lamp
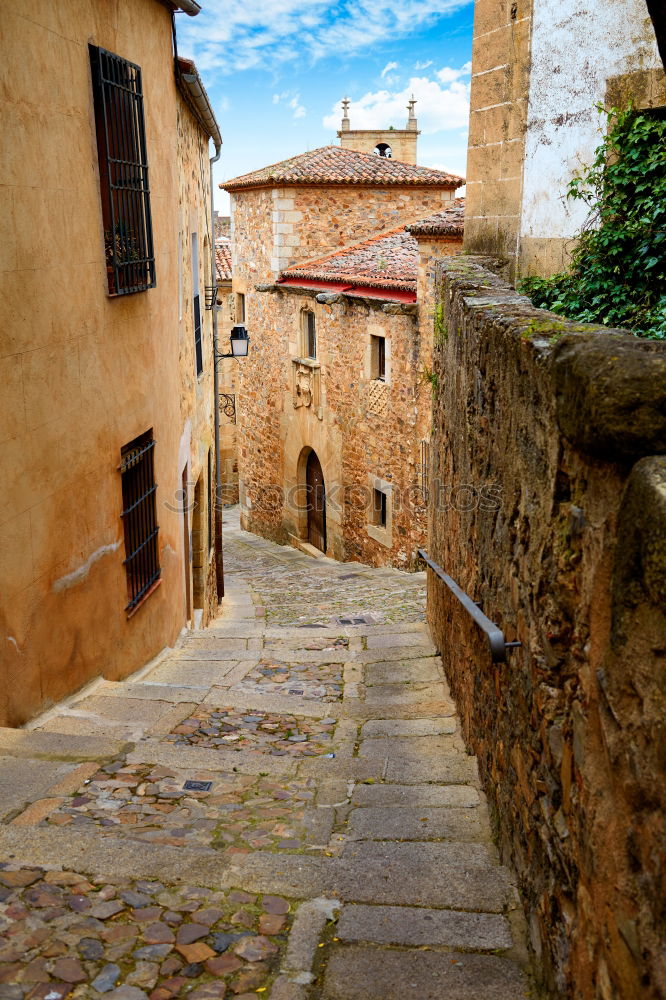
[{"x": 239, "y": 340}]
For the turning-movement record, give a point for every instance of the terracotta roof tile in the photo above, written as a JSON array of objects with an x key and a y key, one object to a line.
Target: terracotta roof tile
[
  {"x": 388, "y": 260},
  {"x": 223, "y": 258},
  {"x": 335, "y": 165},
  {"x": 451, "y": 222}
]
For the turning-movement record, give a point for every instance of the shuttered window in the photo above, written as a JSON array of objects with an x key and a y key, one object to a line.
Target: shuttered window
[
  {"x": 139, "y": 517},
  {"x": 123, "y": 171}
]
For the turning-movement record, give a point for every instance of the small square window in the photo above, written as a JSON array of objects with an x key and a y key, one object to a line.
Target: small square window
[
  {"x": 309, "y": 334},
  {"x": 378, "y": 513},
  {"x": 378, "y": 358}
]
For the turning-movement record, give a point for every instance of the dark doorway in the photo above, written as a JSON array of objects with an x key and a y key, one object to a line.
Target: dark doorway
[{"x": 316, "y": 493}]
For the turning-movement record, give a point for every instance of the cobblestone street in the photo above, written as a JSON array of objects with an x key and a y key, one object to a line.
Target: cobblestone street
[{"x": 279, "y": 807}]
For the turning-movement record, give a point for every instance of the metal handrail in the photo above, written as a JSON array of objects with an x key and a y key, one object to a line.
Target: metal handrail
[{"x": 494, "y": 634}]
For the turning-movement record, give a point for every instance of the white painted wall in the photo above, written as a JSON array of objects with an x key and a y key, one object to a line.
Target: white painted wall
[{"x": 575, "y": 49}]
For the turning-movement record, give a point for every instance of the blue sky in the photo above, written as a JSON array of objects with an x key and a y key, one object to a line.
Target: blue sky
[{"x": 276, "y": 71}]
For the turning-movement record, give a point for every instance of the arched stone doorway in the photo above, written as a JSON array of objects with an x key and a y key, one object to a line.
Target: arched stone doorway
[{"x": 316, "y": 502}]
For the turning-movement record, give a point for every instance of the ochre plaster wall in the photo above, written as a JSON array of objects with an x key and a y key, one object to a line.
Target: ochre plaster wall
[{"x": 82, "y": 374}]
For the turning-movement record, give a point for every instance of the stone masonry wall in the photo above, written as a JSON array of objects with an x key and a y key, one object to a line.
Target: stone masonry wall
[
  {"x": 568, "y": 423},
  {"x": 275, "y": 228},
  {"x": 362, "y": 430}
]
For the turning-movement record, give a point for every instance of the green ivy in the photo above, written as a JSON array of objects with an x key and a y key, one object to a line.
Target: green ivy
[{"x": 617, "y": 274}]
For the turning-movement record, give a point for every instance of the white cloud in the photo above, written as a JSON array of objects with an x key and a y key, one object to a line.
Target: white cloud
[
  {"x": 297, "y": 107},
  {"x": 440, "y": 106},
  {"x": 447, "y": 74},
  {"x": 292, "y": 100},
  {"x": 230, "y": 35},
  {"x": 423, "y": 65},
  {"x": 387, "y": 69}
]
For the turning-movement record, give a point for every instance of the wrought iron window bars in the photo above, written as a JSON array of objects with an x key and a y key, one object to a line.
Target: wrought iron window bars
[{"x": 123, "y": 170}]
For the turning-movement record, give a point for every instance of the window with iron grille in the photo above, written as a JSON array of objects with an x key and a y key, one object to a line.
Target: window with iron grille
[
  {"x": 139, "y": 517},
  {"x": 123, "y": 172}
]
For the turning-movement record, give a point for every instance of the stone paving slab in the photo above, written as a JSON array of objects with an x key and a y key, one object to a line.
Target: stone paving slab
[
  {"x": 423, "y": 975},
  {"x": 379, "y": 880},
  {"x": 148, "y": 691},
  {"x": 417, "y": 747},
  {"x": 353, "y": 708},
  {"x": 421, "y": 926},
  {"x": 192, "y": 673},
  {"x": 447, "y": 770},
  {"x": 432, "y": 856},
  {"x": 427, "y": 670},
  {"x": 22, "y": 781},
  {"x": 424, "y": 823},
  {"x": 397, "y": 639},
  {"x": 127, "y": 709},
  {"x": 401, "y": 694},
  {"x": 390, "y": 653},
  {"x": 38, "y": 744},
  {"x": 465, "y": 796},
  {"x": 378, "y": 728}
]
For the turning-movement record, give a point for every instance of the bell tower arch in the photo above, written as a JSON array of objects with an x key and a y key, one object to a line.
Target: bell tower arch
[{"x": 392, "y": 143}]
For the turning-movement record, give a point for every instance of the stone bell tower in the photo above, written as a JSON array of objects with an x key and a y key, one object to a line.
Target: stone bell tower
[{"x": 398, "y": 144}]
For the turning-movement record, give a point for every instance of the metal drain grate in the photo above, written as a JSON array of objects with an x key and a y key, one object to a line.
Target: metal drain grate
[
  {"x": 197, "y": 786},
  {"x": 356, "y": 620}
]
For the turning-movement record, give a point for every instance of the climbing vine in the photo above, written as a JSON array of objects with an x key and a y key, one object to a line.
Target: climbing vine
[{"x": 617, "y": 274}]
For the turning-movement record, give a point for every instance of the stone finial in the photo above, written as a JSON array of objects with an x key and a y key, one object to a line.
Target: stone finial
[
  {"x": 345, "y": 115},
  {"x": 411, "y": 119}
]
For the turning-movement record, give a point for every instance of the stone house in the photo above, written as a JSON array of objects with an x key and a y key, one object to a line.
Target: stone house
[
  {"x": 106, "y": 348},
  {"x": 533, "y": 117},
  {"x": 333, "y": 409}
]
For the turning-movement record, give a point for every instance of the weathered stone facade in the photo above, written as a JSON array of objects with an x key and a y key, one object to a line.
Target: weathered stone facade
[
  {"x": 84, "y": 372},
  {"x": 275, "y": 228},
  {"x": 539, "y": 68},
  {"x": 365, "y": 433},
  {"x": 370, "y": 433},
  {"x": 548, "y": 479}
]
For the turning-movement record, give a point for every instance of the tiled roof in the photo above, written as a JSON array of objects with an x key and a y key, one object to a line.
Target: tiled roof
[
  {"x": 388, "y": 260},
  {"x": 450, "y": 222},
  {"x": 335, "y": 165},
  {"x": 223, "y": 258}
]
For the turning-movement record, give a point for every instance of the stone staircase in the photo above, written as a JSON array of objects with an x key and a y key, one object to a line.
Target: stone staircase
[{"x": 328, "y": 773}]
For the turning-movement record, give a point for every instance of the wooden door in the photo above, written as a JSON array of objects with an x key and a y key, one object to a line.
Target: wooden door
[{"x": 316, "y": 493}]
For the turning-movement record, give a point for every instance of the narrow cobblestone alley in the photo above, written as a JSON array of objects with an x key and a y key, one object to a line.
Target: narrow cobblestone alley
[{"x": 282, "y": 807}]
